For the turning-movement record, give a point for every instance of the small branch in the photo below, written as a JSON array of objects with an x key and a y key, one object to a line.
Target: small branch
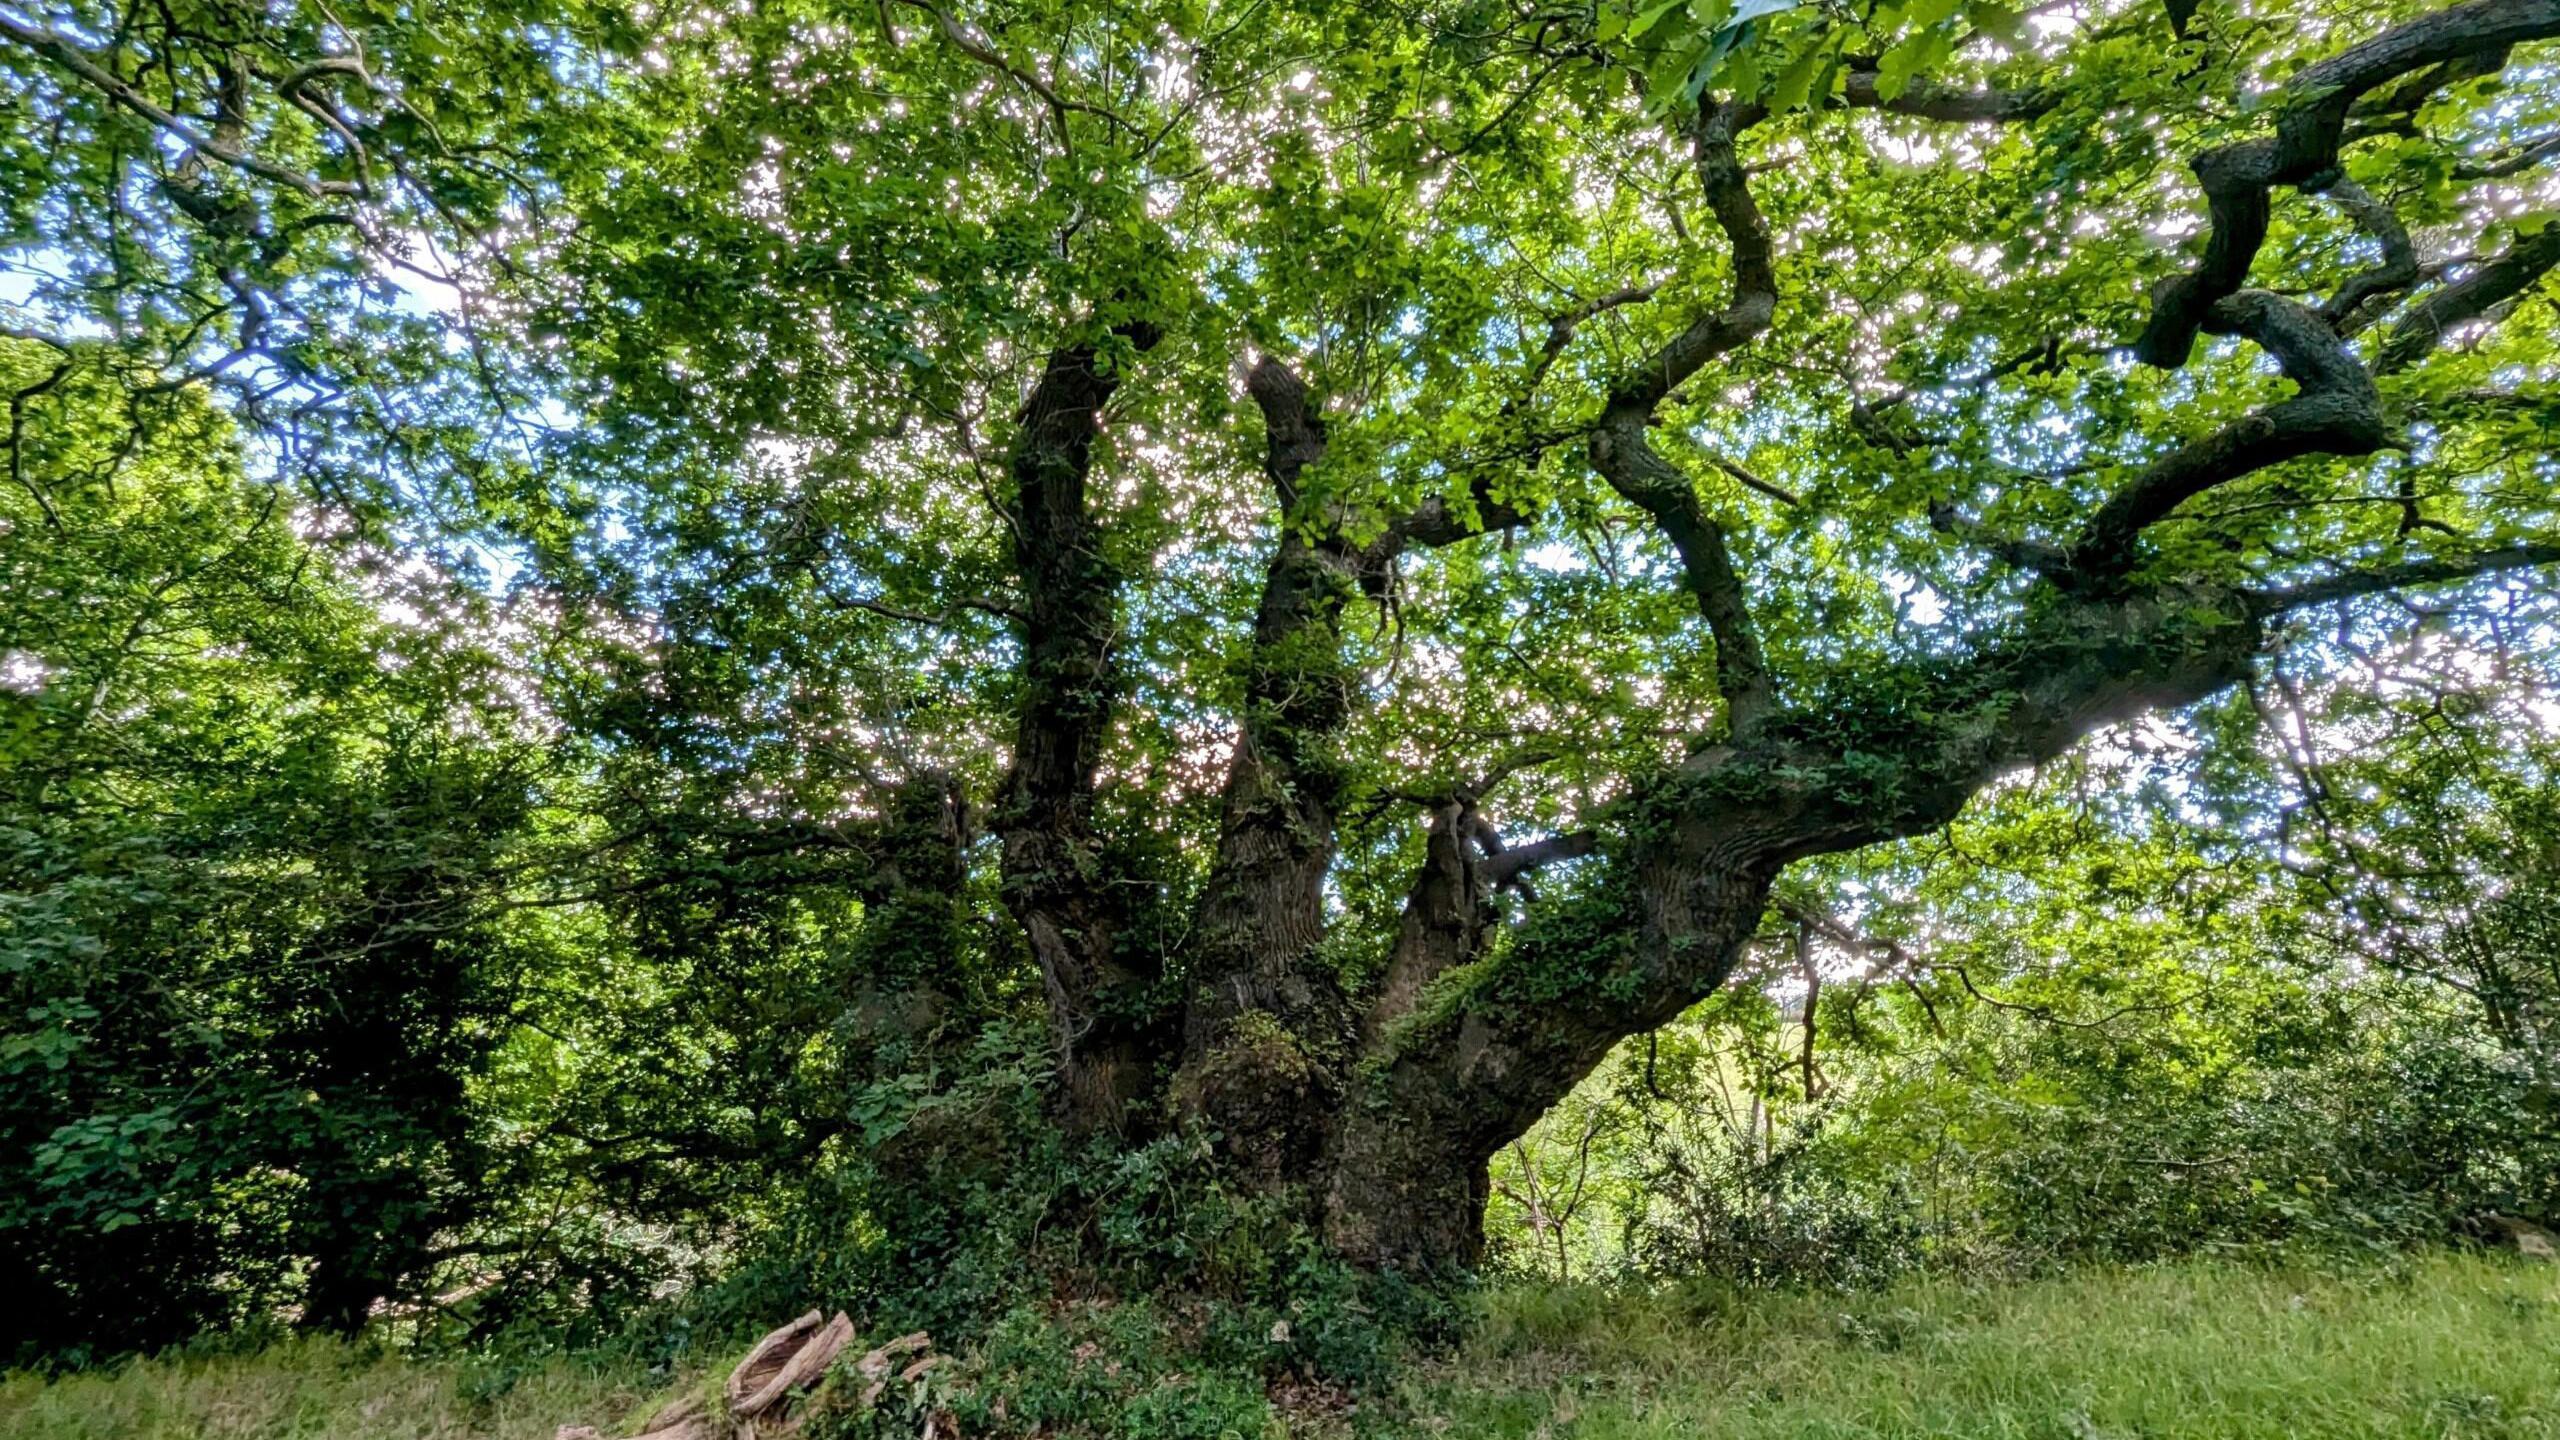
[
  {"x": 997, "y": 608},
  {"x": 1562, "y": 327},
  {"x": 1510, "y": 765},
  {"x": 1771, "y": 489},
  {"x": 975, "y": 44},
  {"x": 71, "y": 57},
  {"x": 2348, "y": 585},
  {"x": 2470, "y": 298},
  {"x": 2398, "y": 270},
  {"x": 2028, "y": 555},
  {"x": 2515, "y": 162}
]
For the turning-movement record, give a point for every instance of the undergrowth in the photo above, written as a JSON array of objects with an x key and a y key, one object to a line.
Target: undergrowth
[{"x": 2442, "y": 1346}]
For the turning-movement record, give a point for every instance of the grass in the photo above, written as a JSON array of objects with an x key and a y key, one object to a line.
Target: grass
[
  {"x": 2446, "y": 1347},
  {"x": 2440, "y": 1347},
  {"x": 319, "y": 1390}
]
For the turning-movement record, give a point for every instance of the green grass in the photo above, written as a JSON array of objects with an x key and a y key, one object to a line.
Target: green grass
[
  {"x": 318, "y": 1390},
  {"x": 2440, "y": 1347},
  {"x": 2445, "y": 1347}
]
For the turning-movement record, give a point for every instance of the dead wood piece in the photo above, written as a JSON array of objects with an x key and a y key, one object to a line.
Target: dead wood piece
[
  {"x": 791, "y": 1358},
  {"x": 876, "y": 1365}
]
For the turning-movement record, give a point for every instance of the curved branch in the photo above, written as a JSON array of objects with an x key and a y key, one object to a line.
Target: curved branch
[
  {"x": 1754, "y": 302},
  {"x": 2311, "y": 116},
  {"x": 1623, "y": 452},
  {"x": 71, "y": 57},
  {"x": 2398, "y": 270},
  {"x": 1562, "y": 326},
  {"x": 2336, "y": 412},
  {"x": 974, "y": 43}
]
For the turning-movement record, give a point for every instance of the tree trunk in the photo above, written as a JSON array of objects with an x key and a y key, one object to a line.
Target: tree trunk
[
  {"x": 1468, "y": 1044},
  {"x": 1380, "y": 1111},
  {"x": 1071, "y": 680}
]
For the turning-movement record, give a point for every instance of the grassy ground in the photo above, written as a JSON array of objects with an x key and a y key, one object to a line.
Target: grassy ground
[
  {"x": 316, "y": 1390},
  {"x": 2440, "y": 1347}
]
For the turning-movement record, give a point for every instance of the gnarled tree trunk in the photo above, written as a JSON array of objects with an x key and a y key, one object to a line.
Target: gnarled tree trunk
[{"x": 1380, "y": 1107}]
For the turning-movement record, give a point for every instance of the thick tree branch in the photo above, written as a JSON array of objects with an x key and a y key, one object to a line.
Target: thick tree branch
[
  {"x": 1622, "y": 449},
  {"x": 1928, "y": 100},
  {"x": 1497, "y": 870},
  {"x": 1262, "y": 911},
  {"x": 2336, "y": 411},
  {"x": 1754, "y": 301},
  {"x": 2311, "y": 115},
  {"x": 1625, "y": 456}
]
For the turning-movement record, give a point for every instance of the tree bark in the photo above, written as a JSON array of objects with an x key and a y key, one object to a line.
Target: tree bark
[
  {"x": 1099, "y": 1006},
  {"x": 1269, "y": 1034}
]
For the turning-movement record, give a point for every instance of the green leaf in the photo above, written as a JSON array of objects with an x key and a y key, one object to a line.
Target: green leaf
[
  {"x": 1648, "y": 19},
  {"x": 1794, "y": 87}
]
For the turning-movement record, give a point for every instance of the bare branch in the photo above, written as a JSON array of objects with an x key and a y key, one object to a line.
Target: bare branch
[
  {"x": 1926, "y": 100},
  {"x": 942, "y": 619},
  {"x": 1521, "y": 859}
]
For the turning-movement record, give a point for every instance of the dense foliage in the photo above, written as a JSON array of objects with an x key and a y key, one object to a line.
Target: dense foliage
[{"x": 662, "y": 663}]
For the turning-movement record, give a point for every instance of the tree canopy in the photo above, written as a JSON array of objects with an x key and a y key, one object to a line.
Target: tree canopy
[{"x": 660, "y": 593}]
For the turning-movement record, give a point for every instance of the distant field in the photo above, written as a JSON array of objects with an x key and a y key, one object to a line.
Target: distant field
[{"x": 2444, "y": 1348}]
